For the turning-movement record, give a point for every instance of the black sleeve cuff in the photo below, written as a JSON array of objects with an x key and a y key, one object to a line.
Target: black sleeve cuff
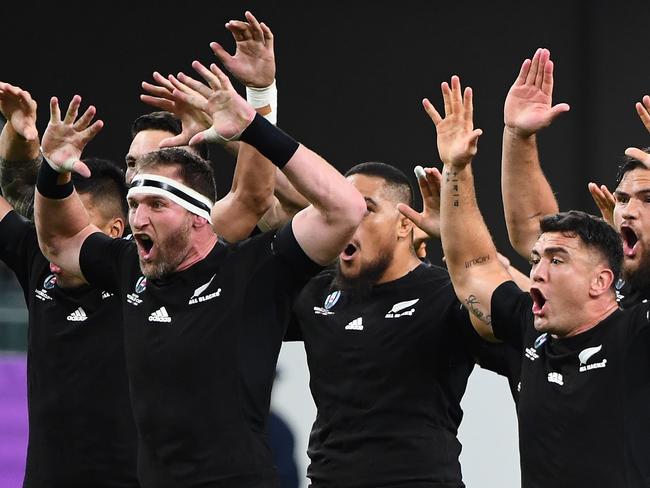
[
  {"x": 511, "y": 311},
  {"x": 285, "y": 246}
]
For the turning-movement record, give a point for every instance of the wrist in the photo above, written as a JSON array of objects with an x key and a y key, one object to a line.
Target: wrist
[
  {"x": 52, "y": 184},
  {"x": 264, "y": 100},
  {"x": 270, "y": 141},
  {"x": 517, "y": 133}
]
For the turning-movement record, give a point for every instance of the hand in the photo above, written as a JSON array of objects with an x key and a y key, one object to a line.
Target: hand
[
  {"x": 605, "y": 201},
  {"x": 429, "y": 219},
  {"x": 643, "y": 109},
  {"x": 18, "y": 107},
  {"x": 457, "y": 138},
  {"x": 64, "y": 141},
  {"x": 254, "y": 61},
  {"x": 528, "y": 107},
  {"x": 230, "y": 113},
  {"x": 193, "y": 120},
  {"x": 639, "y": 155}
]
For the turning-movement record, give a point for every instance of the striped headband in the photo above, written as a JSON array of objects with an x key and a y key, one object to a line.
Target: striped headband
[{"x": 177, "y": 192}]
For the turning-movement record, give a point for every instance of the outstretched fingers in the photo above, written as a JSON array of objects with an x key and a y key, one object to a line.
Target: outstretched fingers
[
  {"x": 643, "y": 109},
  {"x": 639, "y": 155},
  {"x": 55, "y": 111},
  {"x": 87, "y": 117},
  {"x": 209, "y": 76},
  {"x": 534, "y": 66},
  {"x": 254, "y": 27},
  {"x": 431, "y": 111},
  {"x": 73, "y": 110}
]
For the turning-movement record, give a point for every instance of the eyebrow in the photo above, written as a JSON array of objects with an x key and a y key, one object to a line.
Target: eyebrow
[{"x": 625, "y": 194}]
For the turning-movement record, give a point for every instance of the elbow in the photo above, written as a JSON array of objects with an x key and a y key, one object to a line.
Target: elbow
[{"x": 351, "y": 210}]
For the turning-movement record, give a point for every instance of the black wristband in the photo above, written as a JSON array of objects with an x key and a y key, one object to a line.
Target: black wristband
[
  {"x": 272, "y": 142},
  {"x": 46, "y": 183}
]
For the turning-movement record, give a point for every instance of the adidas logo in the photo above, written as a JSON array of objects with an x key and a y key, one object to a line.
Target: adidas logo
[
  {"x": 356, "y": 324},
  {"x": 106, "y": 294},
  {"x": 160, "y": 315},
  {"x": 77, "y": 316}
]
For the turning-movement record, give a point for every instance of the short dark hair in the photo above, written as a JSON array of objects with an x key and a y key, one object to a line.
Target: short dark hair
[
  {"x": 395, "y": 179},
  {"x": 106, "y": 186},
  {"x": 630, "y": 164},
  {"x": 193, "y": 170},
  {"x": 594, "y": 233},
  {"x": 166, "y": 121}
]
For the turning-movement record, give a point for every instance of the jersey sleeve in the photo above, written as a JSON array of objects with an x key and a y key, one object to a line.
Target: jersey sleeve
[
  {"x": 18, "y": 245},
  {"x": 285, "y": 247},
  {"x": 101, "y": 260},
  {"x": 511, "y": 311}
]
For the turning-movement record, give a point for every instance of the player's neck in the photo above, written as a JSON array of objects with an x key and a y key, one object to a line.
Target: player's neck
[
  {"x": 201, "y": 246},
  {"x": 401, "y": 264},
  {"x": 598, "y": 311}
]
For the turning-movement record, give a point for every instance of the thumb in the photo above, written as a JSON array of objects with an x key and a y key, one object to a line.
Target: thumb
[
  {"x": 197, "y": 139},
  {"x": 81, "y": 168},
  {"x": 558, "y": 109},
  {"x": 30, "y": 133}
]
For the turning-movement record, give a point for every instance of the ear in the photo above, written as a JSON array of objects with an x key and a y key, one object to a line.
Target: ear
[
  {"x": 601, "y": 282},
  {"x": 116, "y": 227},
  {"x": 199, "y": 222},
  {"x": 404, "y": 228}
]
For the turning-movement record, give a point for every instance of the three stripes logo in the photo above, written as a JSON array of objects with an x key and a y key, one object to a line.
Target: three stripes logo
[
  {"x": 356, "y": 324},
  {"x": 160, "y": 315},
  {"x": 78, "y": 315}
]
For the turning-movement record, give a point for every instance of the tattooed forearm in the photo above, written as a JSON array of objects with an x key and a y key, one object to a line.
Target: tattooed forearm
[
  {"x": 478, "y": 260},
  {"x": 473, "y": 305},
  {"x": 452, "y": 177}
]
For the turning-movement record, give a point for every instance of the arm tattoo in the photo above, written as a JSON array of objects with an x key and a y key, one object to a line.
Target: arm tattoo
[
  {"x": 473, "y": 305},
  {"x": 17, "y": 182},
  {"x": 452, "y": 177},
  {"x": 478, "y": 260}
]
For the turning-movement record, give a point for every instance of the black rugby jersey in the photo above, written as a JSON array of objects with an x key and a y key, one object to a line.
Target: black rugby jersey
[
  {"x": 201, "y": 349},
  {"x": 583, "y": 406},
  {"x": 387, "y": 375},
  {"x": 627, "y": 296},
  {"x": 81, "y": 429}
]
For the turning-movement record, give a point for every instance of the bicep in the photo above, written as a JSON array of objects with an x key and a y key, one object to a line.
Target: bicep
[{"x": 317, "y": 236}]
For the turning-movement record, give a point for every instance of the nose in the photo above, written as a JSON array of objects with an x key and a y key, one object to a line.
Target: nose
[
  {"x": 138, "y": 217},
  {"x": 631, "y": 209},
  {"x": 538, "y": 271}
]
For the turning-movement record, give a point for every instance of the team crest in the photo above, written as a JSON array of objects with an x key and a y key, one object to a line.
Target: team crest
[
  {"x": 331, "y": 299},
  {"x": 540, "y": 340},
  {"x": 141, "y": 285},
  {"x": 49, "y": 282}
]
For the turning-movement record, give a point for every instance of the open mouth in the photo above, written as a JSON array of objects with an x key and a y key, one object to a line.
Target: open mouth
[
  {"x": 630, "y": 240},
  {"x": 348, "y": 252},
  {"x": 539, "y": 300},
  {"x": 145, "y": 245}
]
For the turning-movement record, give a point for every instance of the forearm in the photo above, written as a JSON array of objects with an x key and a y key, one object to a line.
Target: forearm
[
  {"x": 19, "y": 163},
  {"x": 323, "y": 186},
  {"x": 62, "y": 224},
  {"x": 527, "y": 195},
  {"x": 470, "y": 254}
]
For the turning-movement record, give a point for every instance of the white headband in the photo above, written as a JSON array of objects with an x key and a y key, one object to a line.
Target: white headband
[{"x": 177, "y": 192}]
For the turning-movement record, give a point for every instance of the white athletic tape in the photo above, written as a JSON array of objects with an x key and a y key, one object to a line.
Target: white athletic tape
[
  {"x": 419, "y": 172},
  {"x": 262, "y": 97},
  {"x": 212, "y": 136},
  {"x": 66, "y": 167},
  {"x": 142, "y": 184}
]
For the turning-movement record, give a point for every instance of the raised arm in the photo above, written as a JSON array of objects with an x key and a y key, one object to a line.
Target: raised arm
[
  {"x": 336, "y": 209},
  {"x": 527, "y": 195},
  {"x": 470, "y": 253},
  {"x": 62, "y": 223},
  {"x": 19, "y": 149},
  {"x": 428, "y": 221},
  {"x": 251, "y": 194}
]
